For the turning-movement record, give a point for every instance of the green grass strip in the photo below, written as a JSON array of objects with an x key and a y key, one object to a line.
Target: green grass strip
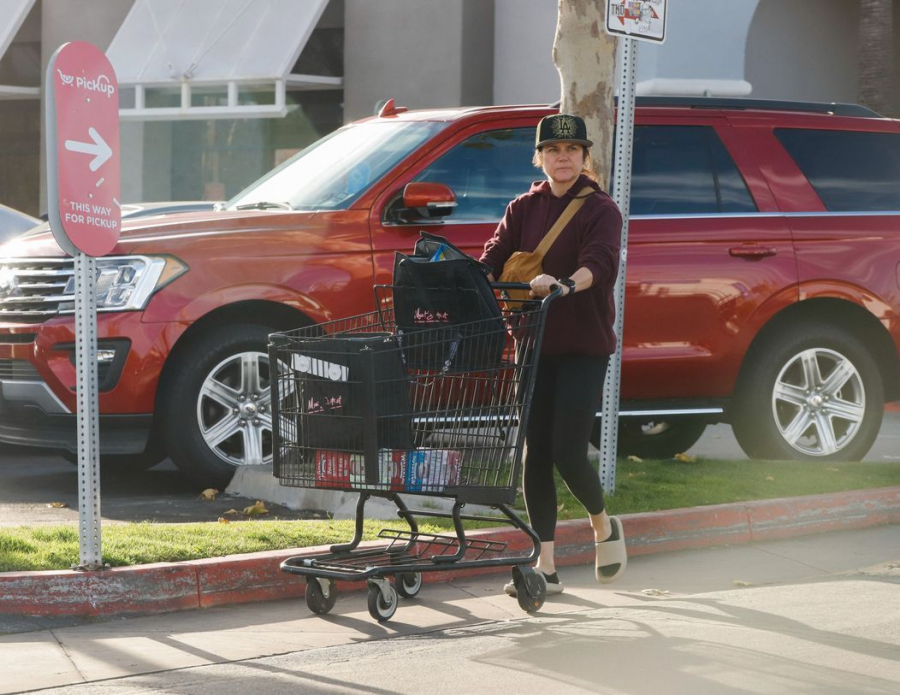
[{"x": 640, "y": 487}]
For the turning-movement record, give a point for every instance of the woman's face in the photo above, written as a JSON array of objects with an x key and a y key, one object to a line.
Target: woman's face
[{"x": 563, "y": 161}]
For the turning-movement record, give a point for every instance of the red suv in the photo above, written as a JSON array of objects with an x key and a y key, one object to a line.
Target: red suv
[{"x": 762, "y": 281}]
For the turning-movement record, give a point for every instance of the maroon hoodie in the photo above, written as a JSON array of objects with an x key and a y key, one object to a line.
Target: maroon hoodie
[{"x": 580, "y": 323}]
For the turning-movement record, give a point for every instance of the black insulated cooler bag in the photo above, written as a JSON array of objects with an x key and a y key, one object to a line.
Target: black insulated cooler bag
[{"x": 446, "y": 314}]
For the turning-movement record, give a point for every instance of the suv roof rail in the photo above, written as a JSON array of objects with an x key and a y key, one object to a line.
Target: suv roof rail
[{"x": 833, "y": 108}]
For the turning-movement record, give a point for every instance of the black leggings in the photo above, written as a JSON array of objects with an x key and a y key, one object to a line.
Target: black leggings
[{"x": 568, "y": 391}]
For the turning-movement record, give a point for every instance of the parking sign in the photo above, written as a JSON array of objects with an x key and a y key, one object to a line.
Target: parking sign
[
  {"x": 83, "y": 150},
  {"x": 644, "y": 20}
]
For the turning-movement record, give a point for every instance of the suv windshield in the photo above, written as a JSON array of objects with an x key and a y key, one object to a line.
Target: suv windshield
[{"x": 334, "y": 171}]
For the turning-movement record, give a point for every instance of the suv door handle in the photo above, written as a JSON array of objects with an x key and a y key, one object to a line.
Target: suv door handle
[{"x": 752, "y": 251}]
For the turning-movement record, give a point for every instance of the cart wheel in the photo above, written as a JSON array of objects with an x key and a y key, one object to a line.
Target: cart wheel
[
  {"x": 409, "y": 584},
  {"x": 321, "y": 594},
  {"x": 531, "y": 590},
  {"x": 379, "y": 608}
]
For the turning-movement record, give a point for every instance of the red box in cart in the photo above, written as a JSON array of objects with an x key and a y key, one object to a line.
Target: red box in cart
[
  {"x": 442, "y": 469},
  {"x": 333, "y": 469},
  {"x": 454, "y": 467}
]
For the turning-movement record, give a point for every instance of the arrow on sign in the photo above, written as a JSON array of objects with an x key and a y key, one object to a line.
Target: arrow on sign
[{"x": 99, "y": 149}]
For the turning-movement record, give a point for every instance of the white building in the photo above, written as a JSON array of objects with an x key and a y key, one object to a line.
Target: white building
[{"x": 215, "y": 92}]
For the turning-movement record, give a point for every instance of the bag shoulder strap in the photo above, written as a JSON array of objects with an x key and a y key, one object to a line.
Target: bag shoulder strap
[{"x": 562, "y": 221}]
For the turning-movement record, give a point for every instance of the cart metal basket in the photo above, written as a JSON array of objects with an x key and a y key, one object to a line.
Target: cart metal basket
[{"x": 363, "y": 404}]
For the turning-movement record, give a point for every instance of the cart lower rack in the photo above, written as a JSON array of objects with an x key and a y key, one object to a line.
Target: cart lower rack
[{"x": 425, "y": 407}]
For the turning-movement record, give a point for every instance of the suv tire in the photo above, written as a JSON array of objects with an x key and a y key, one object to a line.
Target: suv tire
[
  {"x": 122, "y": 465},
  {"x": 658, "y": 439},
  {"x": 216, "y": 404},
  {"x": 812, "y": 393}
]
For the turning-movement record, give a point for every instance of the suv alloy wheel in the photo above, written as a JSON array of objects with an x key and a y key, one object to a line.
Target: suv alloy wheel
[
  {"x": 812, "y": 393},
  {"x": 218, "y": 404}
]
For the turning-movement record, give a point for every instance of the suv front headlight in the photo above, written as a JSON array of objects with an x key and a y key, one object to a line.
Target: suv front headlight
[{"x": 126, "y": 283}]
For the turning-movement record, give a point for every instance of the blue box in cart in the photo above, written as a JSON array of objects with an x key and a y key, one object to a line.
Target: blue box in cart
[
  {"x": 432, "y": 470},
  {"x": 415, "y": 467}
]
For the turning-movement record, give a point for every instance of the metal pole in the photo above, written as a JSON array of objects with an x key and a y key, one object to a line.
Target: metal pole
[
  {"x": 609, "y": 428},
  {"x": 88, "y": 415}
]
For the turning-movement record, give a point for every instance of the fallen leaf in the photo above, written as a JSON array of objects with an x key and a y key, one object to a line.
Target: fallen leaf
[
  {"x": 738, "y": 582},
  {"x": 232, "y": 511},
  {"x": 686, "y": 458},
  {"x": 655, "y": 592},
  {"x": 636, "y": 459},
  {"x": 223, "y": 520},
  {"x": 208, "y": 494},
  {"x": 634, "y": 474},
  {"x": 836, "y": 470},
  {"x": 561, "y": 507},
  {"x": 769, "y": 477},
  {"x": 58, "y": 505},
  {"x": 256, "y": 509}
]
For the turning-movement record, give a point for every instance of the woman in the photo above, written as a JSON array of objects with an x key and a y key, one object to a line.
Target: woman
[{"x": 578, "y": 336}]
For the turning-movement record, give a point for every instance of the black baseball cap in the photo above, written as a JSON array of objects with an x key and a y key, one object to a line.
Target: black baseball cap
[{"x": 561, "y": 127}]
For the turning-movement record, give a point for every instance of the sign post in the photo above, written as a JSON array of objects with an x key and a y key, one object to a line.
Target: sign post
[
  {"x": 631, "y": 21},
  {"x": 82, "y": 130}
]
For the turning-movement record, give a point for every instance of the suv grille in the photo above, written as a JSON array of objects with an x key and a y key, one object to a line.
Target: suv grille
[
  {"x": 18, "y": 370},
  {"x": 32, "y": 289}
]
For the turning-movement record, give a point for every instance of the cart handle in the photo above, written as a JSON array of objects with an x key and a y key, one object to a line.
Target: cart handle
[{"x": 556, "y": 289}]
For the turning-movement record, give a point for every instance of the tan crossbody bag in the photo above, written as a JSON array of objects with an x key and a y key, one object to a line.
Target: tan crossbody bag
[{"x": 525, "y": 266}]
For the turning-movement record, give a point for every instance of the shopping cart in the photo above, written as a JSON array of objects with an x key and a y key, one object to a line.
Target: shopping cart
[{"x": 363, "y": 404}]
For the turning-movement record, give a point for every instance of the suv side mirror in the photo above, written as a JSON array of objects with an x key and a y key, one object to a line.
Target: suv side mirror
[{"x": 428, "y": 200}]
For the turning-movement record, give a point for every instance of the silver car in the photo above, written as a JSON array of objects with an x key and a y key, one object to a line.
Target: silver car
[{"x": 13, "y": 223}]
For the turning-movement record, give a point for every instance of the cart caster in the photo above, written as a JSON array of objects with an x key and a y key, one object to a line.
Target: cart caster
[
  {"x": 409, "y": 584},
  {"x": 321, "y": 594},
  {"x": 531, "y": 590},
  {"x": 382, "y": 600}
]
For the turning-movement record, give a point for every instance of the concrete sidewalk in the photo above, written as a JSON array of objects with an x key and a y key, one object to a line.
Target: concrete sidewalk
[
  {"x": 255, "y": 577},
  {"x": 811, "y": 615}
]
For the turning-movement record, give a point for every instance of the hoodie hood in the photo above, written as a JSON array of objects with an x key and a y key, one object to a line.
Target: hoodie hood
[{"x": 543, "y": 187}]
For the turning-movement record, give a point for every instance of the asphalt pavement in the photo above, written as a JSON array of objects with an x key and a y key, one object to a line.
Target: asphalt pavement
[
  {"x": 41, "y": 488},
  {"x": 813, "y": 615}
]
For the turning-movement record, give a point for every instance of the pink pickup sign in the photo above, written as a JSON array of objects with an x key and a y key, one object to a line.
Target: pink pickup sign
[{"x": 83, "y": 150}]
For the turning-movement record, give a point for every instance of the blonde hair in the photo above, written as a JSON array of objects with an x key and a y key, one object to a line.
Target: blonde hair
[{"x": 587, "y": 167}]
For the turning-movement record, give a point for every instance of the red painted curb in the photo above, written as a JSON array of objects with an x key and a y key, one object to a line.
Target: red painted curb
[
  {"x": 158, "y": 588},
  {"x": 162, "y": 588}
]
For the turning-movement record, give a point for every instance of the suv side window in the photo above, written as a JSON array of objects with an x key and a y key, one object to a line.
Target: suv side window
[
  {"x": 685, "y": 170},
  {"x": 850, "y": 171},
  {"x": 486, "y": 172}
]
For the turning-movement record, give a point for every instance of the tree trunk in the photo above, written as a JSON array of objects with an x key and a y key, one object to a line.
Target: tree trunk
[
  {"x": 876, "y": 54},
  {"x": 585, "y": 56}
]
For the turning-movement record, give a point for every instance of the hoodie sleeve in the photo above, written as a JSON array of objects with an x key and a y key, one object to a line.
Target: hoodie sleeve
[
  {"x": 504, "y": 242},
  {"x": 599, "y": 241}
]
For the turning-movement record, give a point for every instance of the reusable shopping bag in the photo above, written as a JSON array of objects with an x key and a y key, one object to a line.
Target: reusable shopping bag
[
  {"x": 349, "y": 387},
  {"x": 446, "y": 313}
]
